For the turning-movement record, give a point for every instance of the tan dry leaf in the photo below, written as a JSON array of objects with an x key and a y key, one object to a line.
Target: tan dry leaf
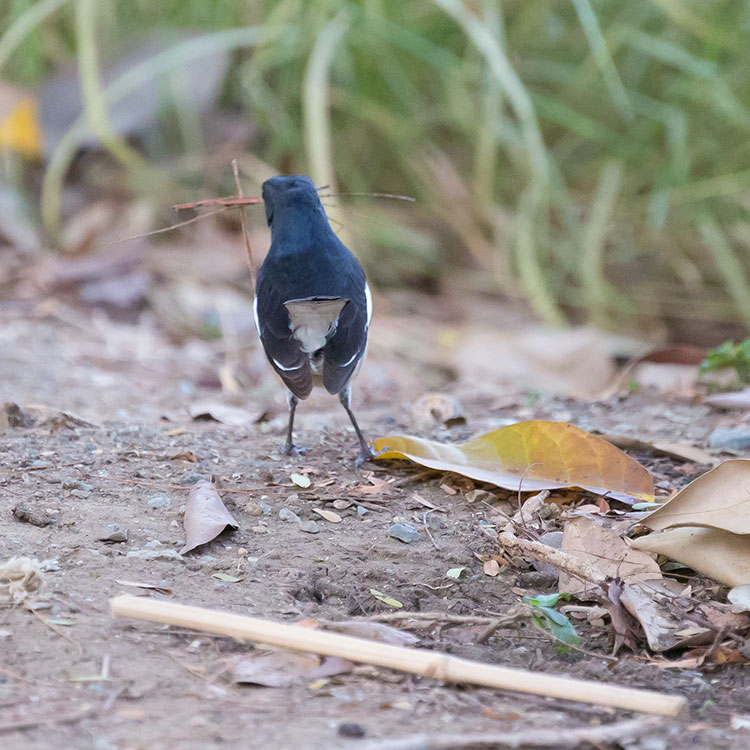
[
  {"x": 329, "y": 515},
  {"x": 284, "y": 668},
  {"x": 491, "y": 567},
  {"x": 229, "y": 415},
  {"x": 205, "y": 516},
  {"x": 718, "y": 499},
  {"x": 606, "y": 551},
  {"x": 716, "y": 553}
]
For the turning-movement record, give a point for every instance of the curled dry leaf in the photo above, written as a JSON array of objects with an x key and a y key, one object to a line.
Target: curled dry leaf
[
  {"x": 718, "y": 499},
  {"x": 531, "y": 456},
  {"x": 205, "y": 516},
  {"x": 437, "y": 410}
]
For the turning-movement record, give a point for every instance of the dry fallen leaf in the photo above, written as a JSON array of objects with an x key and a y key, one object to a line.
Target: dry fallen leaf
[
  {"x": 437, "y": 410},
  {"x": 719, "y": 554},
  {"x": 606, "y": 551},
  {"x": 491, "y": 567},
  {"x": 229, "y": 415},
  {"x": 284, "y": 668},
  {"x": 329, "y": 515},
  {"x": 205, "y": 516},
  {"x": 719, "y": 499},
  {"x": 531, "y": 456}
]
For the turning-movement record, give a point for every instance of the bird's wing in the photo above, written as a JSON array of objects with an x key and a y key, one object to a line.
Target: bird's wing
[
  {"x": 282, "y": 350},
  {"x": 345, "y": 348}
]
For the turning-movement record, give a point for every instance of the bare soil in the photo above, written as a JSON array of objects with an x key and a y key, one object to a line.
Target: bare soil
[{"x": 79, "y": 679}]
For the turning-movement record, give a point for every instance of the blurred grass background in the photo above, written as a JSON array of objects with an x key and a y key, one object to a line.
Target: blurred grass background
[{"x": 589, "y": 157}]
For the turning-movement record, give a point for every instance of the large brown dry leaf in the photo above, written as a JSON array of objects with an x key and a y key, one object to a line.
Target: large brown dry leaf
[
  {"x": 606, "y": 551},
  {"x": 719, "y": 499},
  {"x": 719, "y": 554},
  {"x": 205, "y": 516},
  {"x": 531, "y": 456}
]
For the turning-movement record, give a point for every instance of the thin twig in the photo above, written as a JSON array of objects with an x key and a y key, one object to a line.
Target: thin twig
[
  {"x": 243, "y": 222},
  {"x": 230, "y": 200},
  {"x": 14, "y": 726},
  {"x": 179, "y": 225}
]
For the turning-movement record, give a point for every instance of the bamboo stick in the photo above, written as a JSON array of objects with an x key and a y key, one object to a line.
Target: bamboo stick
[{"x": 427, "y": 663}]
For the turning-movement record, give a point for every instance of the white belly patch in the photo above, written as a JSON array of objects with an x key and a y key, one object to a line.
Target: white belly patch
[{"x": 312, "y": 320}]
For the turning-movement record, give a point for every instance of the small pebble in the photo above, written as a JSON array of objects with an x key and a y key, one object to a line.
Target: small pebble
[
  {"x": 733, "y": 439},
  {"x": 311, "y": 527},
  {"x": 404, "y": 532},
  {"x": 435, "y": 522},
  {"x": 265, "y": 508},
  {"x": 191, "y": 477},
  {"x": 351, "y": 730},
  {"x": 361, "y": 511},
  {"x": 159, "y": 501},
  {"x": 113, "y": 532},
  {"x": 259, "y": 529},
  {"x": 288, "y": 515},
  {"x": 253, "y": 509}
]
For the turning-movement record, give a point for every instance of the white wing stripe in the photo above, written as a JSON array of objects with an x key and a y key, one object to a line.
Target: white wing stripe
[
  {"x": 368, "y": 297},
  {"x": 287, "y": 369}
]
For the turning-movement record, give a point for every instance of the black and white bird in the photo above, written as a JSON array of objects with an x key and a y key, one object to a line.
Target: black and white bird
[{"x": 312, "y": 302}]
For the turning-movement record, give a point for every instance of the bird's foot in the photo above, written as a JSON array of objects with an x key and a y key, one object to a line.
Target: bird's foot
[
  {"x": 367, "y": 454},
  {"x": 290, "y": 449}
]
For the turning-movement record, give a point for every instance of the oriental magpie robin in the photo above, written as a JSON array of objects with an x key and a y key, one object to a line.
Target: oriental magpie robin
[{"x": 312, "y": 303}]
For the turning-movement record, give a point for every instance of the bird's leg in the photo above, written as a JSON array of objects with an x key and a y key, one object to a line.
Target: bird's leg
[
  {"x": 365, "y": 449},
  {"x": 290, "y": 448}
]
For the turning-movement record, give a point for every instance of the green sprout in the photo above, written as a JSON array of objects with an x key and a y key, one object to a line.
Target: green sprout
[
  {"x": 728, "y": 355},
  {"x": 547, "y": 618}
]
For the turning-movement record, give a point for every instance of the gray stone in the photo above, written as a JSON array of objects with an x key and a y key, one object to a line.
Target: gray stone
[
  {"x": 285, "y": 514},
  {"x": 311, "y": 527},
  {"x": 159, "y": 501},
  {"x": 404, "y": 532},
  {"x": 191, "y": 477},
  {"x": 113, "y": 532},
  {"x": 730, "y": 438}
]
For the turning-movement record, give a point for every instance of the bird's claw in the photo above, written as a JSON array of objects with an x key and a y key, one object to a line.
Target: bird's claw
[
  {"x": 367, "y": 454},
  {"x": 290, "y": 449}
]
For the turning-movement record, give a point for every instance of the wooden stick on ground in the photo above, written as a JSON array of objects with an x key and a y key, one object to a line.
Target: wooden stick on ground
[{"x": 427, "y": 663}]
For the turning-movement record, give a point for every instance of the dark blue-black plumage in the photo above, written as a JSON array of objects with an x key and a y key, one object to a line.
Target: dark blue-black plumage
[{"x": 312, "y": 304}]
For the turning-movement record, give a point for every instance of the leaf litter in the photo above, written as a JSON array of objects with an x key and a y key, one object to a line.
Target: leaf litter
[{"x": 206, "y": 516}]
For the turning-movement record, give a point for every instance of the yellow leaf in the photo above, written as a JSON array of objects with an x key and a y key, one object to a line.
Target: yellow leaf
[
  {"x": 19, "y": 123},
  {"x": 531, "y": 456}
]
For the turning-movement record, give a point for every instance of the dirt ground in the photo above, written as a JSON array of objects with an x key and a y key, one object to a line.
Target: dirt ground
[{"x": 75, "y": 678}]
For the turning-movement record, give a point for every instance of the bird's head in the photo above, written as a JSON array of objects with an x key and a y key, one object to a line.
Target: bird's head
[{"x": 295, "y": 192}]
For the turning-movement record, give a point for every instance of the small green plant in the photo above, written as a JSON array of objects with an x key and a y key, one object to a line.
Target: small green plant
[
  {"x": 732, "y": 355},
  {"x": 547, "y": 618}
]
